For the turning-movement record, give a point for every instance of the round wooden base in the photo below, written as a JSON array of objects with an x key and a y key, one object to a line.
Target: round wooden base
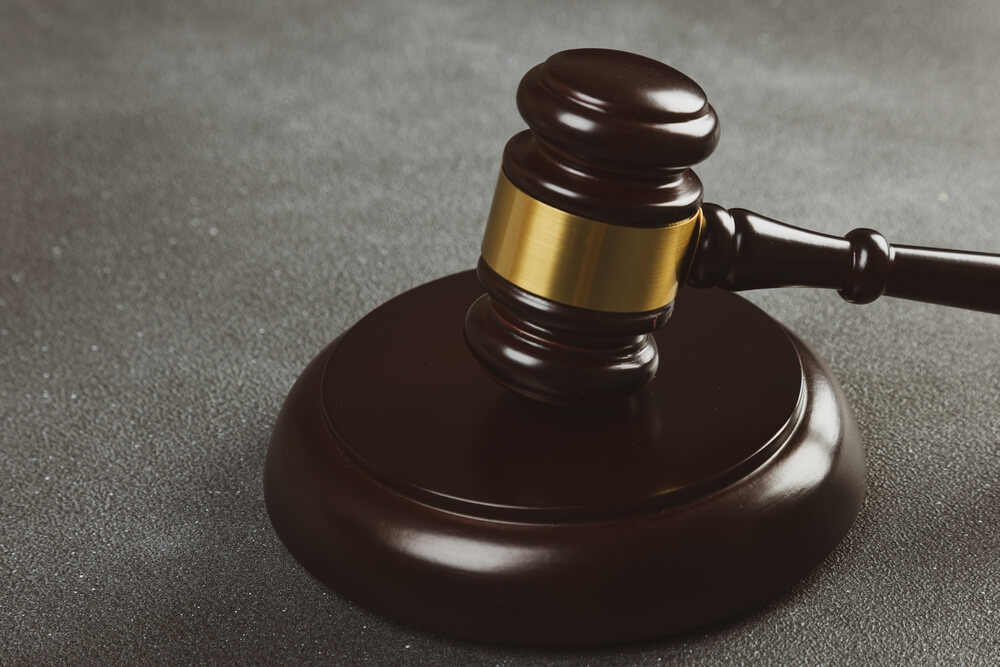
[{"x": 403, "y": 477}]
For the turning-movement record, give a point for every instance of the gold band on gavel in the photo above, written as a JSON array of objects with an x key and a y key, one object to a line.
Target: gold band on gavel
[{"x": 581, "y": 262}]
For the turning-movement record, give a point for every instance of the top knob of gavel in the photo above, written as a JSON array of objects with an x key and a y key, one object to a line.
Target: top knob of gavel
[{"x": 597, "y": 220}]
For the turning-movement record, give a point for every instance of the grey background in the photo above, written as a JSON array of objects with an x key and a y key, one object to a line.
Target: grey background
[{"x": 195, "y": 197}]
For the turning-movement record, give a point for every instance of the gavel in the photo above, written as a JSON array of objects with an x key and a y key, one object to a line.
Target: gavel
[
  {"x": 597, "y": 221},
  {"x": 401, "y": 475}
]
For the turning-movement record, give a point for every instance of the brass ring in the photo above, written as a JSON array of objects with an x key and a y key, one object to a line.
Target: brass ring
[{"x": 582, "y": 262}]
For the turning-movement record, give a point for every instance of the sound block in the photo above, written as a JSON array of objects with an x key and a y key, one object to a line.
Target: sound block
[{"x": 403, "y": 477}]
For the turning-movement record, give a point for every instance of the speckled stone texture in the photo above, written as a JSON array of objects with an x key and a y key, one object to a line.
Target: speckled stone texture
[{"x": 195, "y": 197}]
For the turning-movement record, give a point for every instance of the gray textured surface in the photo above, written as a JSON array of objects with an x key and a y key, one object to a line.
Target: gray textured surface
[{"x": 194, "y": 199}]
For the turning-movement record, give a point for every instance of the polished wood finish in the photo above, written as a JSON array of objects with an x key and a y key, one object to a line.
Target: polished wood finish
[
  {"x": 657, "y": 495},
  {"x": 611, "y": 137},
  {"x": 741, "y": 250},
  {"x": 402, "y": 476},
  {"x": 559, "y": 354}
]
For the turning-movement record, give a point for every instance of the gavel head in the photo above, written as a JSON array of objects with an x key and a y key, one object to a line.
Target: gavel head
[{"x": 589, "y": 236}]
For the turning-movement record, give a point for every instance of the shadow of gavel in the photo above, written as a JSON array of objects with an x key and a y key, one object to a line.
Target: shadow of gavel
[{"x": 597, "y": 221}]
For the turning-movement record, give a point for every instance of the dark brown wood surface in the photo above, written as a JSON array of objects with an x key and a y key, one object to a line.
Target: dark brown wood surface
[
  {"x": 625, "y": 502},
  {"x": 741, "y": 250},
  {"x": 404, "y": 477},
  {"x": 558, "y": 354},
  {"x": 611, "y": 137}
]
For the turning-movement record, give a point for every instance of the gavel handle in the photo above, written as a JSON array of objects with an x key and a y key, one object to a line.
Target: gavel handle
[{"x": 740, "y": 250}]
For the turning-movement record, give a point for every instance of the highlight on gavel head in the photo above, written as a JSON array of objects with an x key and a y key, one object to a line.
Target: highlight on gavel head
[{"x": 592, "y": 220}]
